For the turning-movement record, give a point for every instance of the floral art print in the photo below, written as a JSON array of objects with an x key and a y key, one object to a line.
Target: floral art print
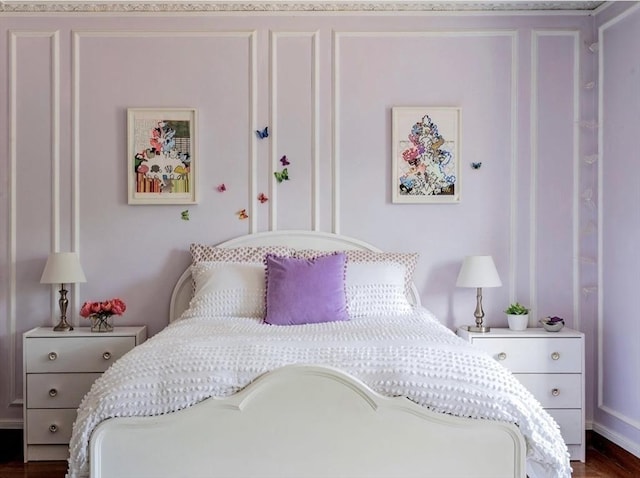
[
  {"x": 161, "y": 156},
  {"x": 425, "y": 155}
]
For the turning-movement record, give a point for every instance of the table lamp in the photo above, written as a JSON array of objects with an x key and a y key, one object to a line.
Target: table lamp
[
  {"x": 63, "y": 268},
  {"x": 478, "y": 272}
]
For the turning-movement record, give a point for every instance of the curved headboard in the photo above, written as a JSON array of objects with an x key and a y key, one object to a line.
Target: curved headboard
[{"x": 323, "y": 241}]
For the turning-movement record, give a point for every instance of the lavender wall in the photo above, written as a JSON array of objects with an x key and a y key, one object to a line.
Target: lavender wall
[
  {"x": 617, "y": 414},
  {"x": 325, "y": 84}
]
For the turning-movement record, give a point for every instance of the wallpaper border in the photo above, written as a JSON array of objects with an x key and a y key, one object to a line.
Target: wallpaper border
[{"x": 297, "y": 6}]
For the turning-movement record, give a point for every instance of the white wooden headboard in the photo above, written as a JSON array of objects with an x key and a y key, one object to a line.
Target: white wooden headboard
[{"x": 323, "y": 241}]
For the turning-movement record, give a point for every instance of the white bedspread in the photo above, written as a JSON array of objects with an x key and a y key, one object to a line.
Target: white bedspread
[{"x": 414, "y": 356}]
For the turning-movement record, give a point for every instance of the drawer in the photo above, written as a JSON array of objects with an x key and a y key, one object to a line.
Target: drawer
[
  {"x": 570, "y": 422},
  {"x": 74, "y": 354},
  {"x": 58, "y": 390},
  {"x": 535, "y": 354},
  {"x": 554, "y": 390},
  {"x": 51, "y": 426}
]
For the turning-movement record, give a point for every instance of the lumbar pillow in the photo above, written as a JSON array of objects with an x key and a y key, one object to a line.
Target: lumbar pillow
[{"x": 306, "y": 291}]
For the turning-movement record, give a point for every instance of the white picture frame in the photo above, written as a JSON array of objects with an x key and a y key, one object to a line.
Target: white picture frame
[
  {"x": 162, "y": 159},
  {"x": 426, "y": 154}
]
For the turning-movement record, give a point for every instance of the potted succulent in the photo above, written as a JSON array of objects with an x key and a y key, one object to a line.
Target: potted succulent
[{"x": 517, "y": 316}]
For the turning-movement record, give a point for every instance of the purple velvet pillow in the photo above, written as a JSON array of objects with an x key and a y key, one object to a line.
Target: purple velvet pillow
[{"x": 306, "y": 291}]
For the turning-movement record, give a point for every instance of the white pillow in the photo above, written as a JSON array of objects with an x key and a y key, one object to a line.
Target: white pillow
[
  {"x": 408, "y": 259},
  {"x": 228, "y": 289},
  {"x": 376, "y": 288}
]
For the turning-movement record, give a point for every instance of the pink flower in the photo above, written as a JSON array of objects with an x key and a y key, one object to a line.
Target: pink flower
[
  {"x": 118, "y": 306},
  {"x": 106, "y": 307},
  {"x": 85, "y": 311}
]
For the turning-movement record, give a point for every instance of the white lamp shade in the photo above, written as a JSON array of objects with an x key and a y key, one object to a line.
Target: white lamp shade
[
  {"x": 478, "y": 271},
  {"x": 63, "y": 268}
]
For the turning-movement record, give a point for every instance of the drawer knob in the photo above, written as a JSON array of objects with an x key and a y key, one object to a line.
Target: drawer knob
[
  {"x": 502, "y": 356},
  {"x": 555, "y": 392},
  {"x": 53, "y": 392},
  {"x": 53, "y": 428},
  {"x": 53, "y": 355},
  {"x": 106, "y": 355},
  {"x": 555, "y": 356}
]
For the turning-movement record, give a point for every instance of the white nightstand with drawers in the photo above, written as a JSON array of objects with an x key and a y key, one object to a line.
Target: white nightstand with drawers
[
  {"x": 551, "y": 366},
  {"x": 59, "y": 368}
]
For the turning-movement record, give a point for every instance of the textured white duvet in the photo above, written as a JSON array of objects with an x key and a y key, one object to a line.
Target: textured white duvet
[{"x": 413, "y": 356}]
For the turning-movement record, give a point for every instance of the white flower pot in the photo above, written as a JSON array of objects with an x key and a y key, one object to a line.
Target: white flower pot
[{"x": 518, "y": 322}]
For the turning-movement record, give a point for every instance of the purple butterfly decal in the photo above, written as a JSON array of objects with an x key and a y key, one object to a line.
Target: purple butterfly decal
[{"x": 284, "y": 160}]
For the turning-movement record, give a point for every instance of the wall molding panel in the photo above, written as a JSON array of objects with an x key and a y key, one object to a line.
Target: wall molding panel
[
  {"x": 276, "y": 38},
  {"x": 14, "y": 90},
  {"x": 602, "y": 321},
  {"x": 535, "y": 186},
  {"x": 512, "y": 35},
  {"x": 250, "y": 35}
]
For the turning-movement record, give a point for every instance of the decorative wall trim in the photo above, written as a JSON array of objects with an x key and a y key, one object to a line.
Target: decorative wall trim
[
  {"x": 250, "y": 35},
  {"x": 315, "y": 123},
  {"x": 601, "y": 325},
  {"x": 513, "y": 197},
  {"x": 335, "y": 133},
  {"x": 295, "y": 6},
  {"x": 533, "y": 211},
  {"x": 335, "y": 163},
  {"x": 253, "y": 115},
  {"x": 54, "y": 46}
]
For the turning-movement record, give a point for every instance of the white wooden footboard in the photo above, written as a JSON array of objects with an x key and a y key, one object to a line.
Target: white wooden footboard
[{"x": 306, "y": 421}]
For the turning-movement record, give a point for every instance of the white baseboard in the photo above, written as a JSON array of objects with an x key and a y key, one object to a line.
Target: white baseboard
[
  {"x": 10, "y": 424},
  {"x": 622, "y": 442}
]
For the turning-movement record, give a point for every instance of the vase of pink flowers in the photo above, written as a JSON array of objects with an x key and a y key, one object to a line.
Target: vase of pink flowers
[{"x": 101, "y": 313}]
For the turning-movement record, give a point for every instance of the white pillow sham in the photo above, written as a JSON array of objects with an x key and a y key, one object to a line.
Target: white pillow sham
[
  {"x": 408, "y": 259},
  {"x": 237, "y": 289},
  {"x": 376, "y": 288},
  {"x": 229, "y": 289}
]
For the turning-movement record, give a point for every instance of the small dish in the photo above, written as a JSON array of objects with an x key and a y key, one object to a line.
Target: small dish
[{"x": 552, "y": 324}]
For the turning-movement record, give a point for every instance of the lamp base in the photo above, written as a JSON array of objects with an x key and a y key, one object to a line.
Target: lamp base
[
  {"x": 63, "y": 326},
  {"x": 482, "y": 329}
]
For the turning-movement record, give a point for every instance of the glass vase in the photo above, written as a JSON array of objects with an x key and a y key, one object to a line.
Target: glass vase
[{"x": 101, "y": 323}]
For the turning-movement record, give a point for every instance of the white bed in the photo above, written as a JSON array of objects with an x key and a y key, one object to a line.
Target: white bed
[{"x": 306, "y": 420}]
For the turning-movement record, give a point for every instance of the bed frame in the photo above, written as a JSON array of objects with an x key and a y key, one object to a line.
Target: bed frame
[{"x": 304, "y": 421}]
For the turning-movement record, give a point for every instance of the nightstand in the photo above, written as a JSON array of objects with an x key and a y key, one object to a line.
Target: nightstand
[
  {"x": 59, "y": 369},
  {"x": 551, "y": 366}
]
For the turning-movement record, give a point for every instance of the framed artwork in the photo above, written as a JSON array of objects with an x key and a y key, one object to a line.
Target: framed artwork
[
  {"x": 162, "y": 157},
  {"x": 426, "y": 154}
]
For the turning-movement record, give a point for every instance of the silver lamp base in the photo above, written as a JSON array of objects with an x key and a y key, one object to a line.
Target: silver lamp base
[
  {"x": 479, "y": 315},
  {"x": 482, "y": 329},
  {"x": 63, "y": 302}
]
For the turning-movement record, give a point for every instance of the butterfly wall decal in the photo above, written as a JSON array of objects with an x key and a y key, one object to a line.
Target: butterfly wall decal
[
  {"x": 264, "y": 133},
  {"x": 476, "y": 165},
  {"x": 284, "y": 160},
  {"x": 282, "y": 175},
  {"x": 221, "y": 188},
  {"x": 184, "y": 215},
  {"x": 242, "y": 214},
  {"x": 262, "y": 198}
]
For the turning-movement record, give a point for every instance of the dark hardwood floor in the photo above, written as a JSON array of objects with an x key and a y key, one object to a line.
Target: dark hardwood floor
[{"x": 604, "y": 460}]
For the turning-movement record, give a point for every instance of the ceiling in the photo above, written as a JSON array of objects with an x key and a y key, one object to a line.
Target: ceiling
[{"x": 293, "y": 5}]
